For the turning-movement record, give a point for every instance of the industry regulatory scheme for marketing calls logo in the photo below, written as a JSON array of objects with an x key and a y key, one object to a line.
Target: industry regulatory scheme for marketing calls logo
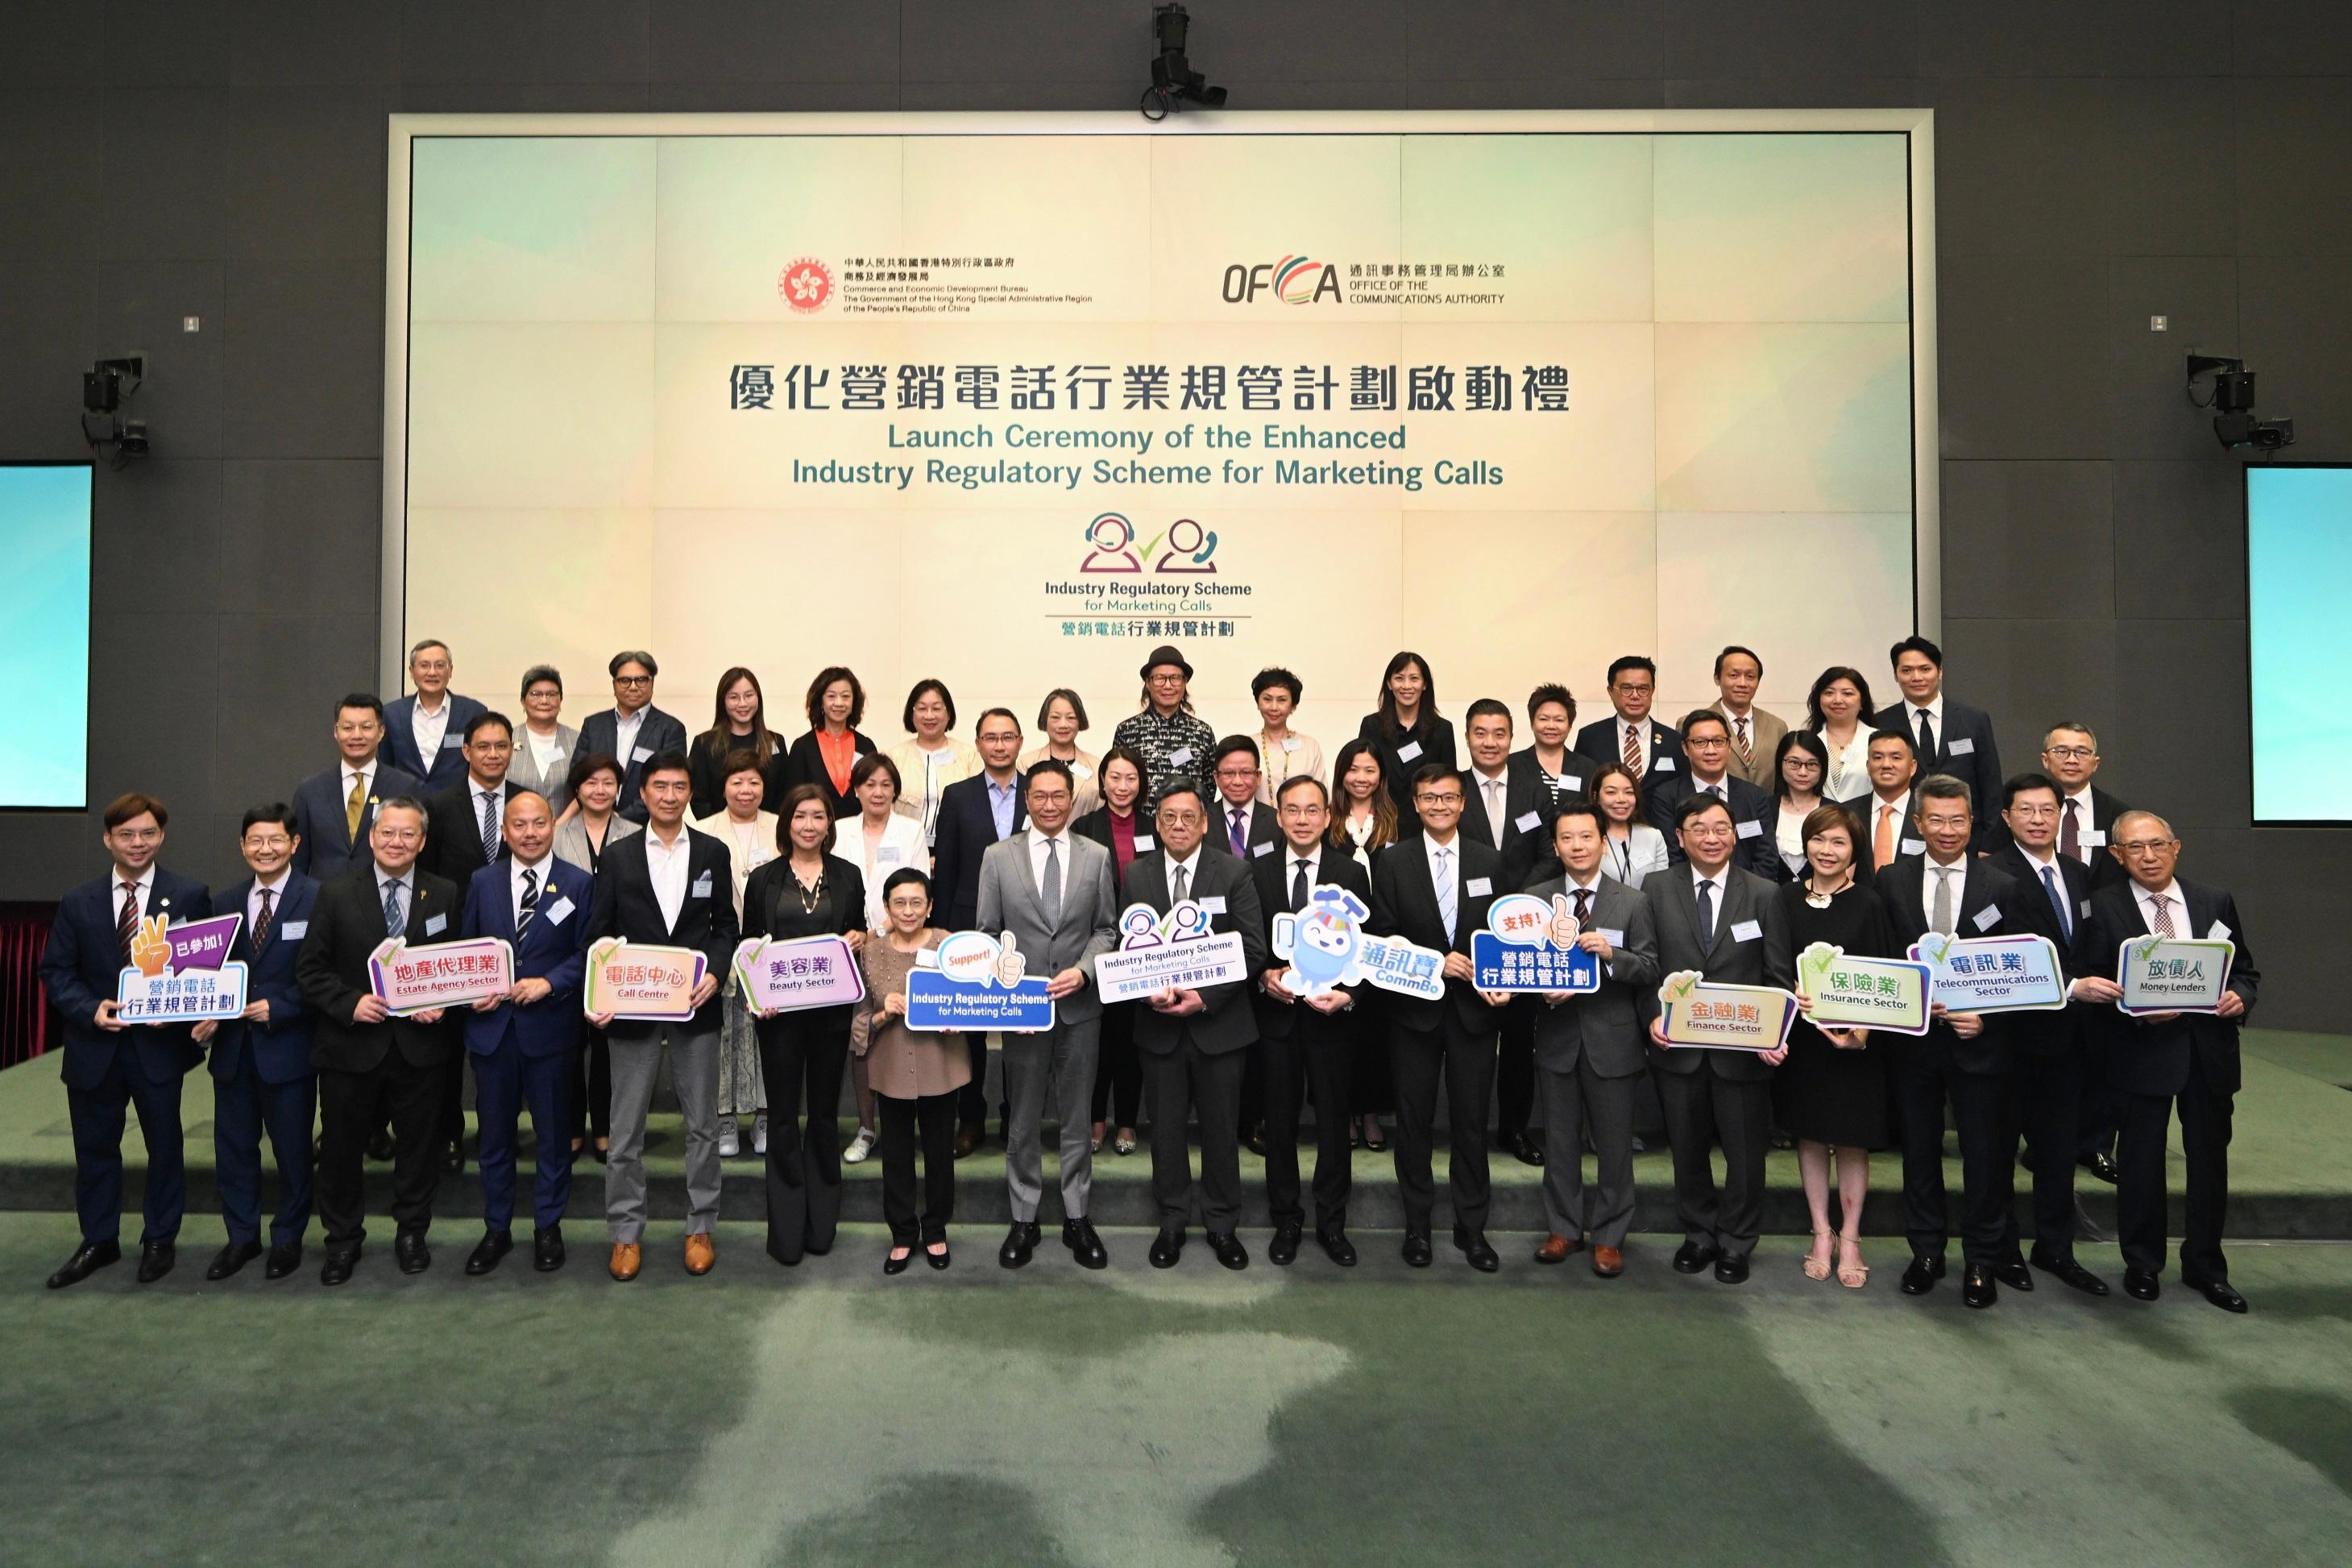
[
  {"x": 805, "y": 285},
  {"x": 1294, "y": 280},
  {"x": 1183, "y": 549}
]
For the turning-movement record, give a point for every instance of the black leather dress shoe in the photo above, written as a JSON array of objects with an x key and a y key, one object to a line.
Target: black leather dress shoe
[
  {"x": 1254, "y": 1141},
  {"x": 2141, "y": 1287},
  {"x": 87, "y": 1260},
  {"x": 1472, "y": 1244},
  {"x": 2011, "y": 1271},
  {"x": 547, "y": 1249},
  {"x": 2069, "y": 1272},
  {"x": 938, "y": 1259},
  {"x": 2100, "y": 1164},
  {"x": 1921, "y": 1277},
  {"x": 1692, "y": 1256},
  {"x": 494, "y": 1245},
  {"x": 895, "y": 1262},
  {"x": 453, "y": 1158},
  {"x": 1337, "y": 1247},
  {"x": 967, "y": 1139},
  {"x": 155, "y": 1260},
  {"x": 1020, "y": 1244},
  {"x": 410, "y": 1253},
  {"x": 1283, "y": 1250},
  {"x": 285, "y": 1257},
  {"x": 1977, "y": 1289},
  {"x": 1229, "y": 1249},
  {"x": 1526, "y": 1149},
  {"x": 1166, "y": 1249},
  {"x": 1078, "y": 1235},
  {"x": 1731, "y": 1270},
  {"x": 232, "y": 1257},
  {"x": 1417, "y": 1250},
  {"x": 2217, "y": 1291},
  {"x": 338, "y": 1267},
  {"x": 379, "y": 1146}
]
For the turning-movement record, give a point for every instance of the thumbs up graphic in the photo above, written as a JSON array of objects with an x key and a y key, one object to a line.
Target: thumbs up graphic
[
  {"x": 1010, "y": 965},
  {"x": 1563, "y": 923}
]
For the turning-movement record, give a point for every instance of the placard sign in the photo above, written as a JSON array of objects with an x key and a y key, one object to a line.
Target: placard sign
[
  {"x": 982, "y": 982},
  {"x": 1529, "y": 946},
  {"x": 1175, "y": 951},
  {"x": 656, "y": 984},
  {"x": 786, "y": 976},
  {"x": 1697, "y": 1011},
  {"x": 180, "y": 973},
  {"x": 1328, "y": 947},
  {"x": 1850, "y": 991},
  {"x": 1993, "y": 974},
  {"x": 2173, "y": 975},
  {"x": 440, "y": 974}
]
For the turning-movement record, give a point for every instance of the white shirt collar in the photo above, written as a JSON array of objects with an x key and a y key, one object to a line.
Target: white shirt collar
[
  {"x": 1935, "y": 707},
  {"x": 276, "y": 885},
  {"x": 1720, "y": 878},
  {"x": 144, "y": 881},
  {"x": 364, "y": 772},
  {"x": 1594, "y": 886},
  {"x": 1292, "y": 856},
  {"x": 2038, "y": 858},
  {"x": 2171, "y": 889},
  {"x": 407, "y": 880}
]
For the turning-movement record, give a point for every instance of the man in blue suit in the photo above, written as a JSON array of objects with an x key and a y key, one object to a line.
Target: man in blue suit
[
  {"x": 424, "y": 733},
  {"x": 109, "y": 1065},
  {"x": 526, "y": 1044},
  {"x": 333, "y": 811},
  {"x": 262, "y": 1076}
]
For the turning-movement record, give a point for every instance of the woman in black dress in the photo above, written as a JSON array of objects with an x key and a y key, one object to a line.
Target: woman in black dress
[
  {"x": 1405, "y": 730},
  {"x": 805, "y": 891},
  {"x": 1832, "y": 1092}
]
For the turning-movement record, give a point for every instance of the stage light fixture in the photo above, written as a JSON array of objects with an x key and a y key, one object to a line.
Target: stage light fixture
[{"x": 1173, "y": 80}]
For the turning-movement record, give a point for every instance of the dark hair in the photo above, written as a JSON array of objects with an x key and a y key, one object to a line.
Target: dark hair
[
  {"x": 1807, "y": 742},
  {"x": 1231, "y": 744},
  {"x": 1813, "y": 720},
  {"x": 1730, "y": 648},
  {"x": 1829, "y": 814},
  {"x": 484, "y": 719},
  {"x": 1632, "y": 661},
  {"x": 631, "y": 655},
  {"x": 588, "y": 762},
  {"x": 1275, "y": 675},
  {"x": 798, "y": 795},
  {"x": 720, "y": 739},
  {"x": 928, "y": 683},
  {"x": 905, "y": 877},
  {"x": 1580, "y": 806},
  {"x": 537, "y": 673},
  {"x": 367, "y": 700},
  {"x": 1692, "y": 805},
  {"x": 2019, "y": 783},
  {"x": 1697, "y": 716},
  {"x": 1389, "y": 725},
  {"x": 276, "y": 811},
  {"x": 1592, "y": 787},
  {"x": 987, "y": 714},
  {"x": 1942, "y": 786},
  {"x": 1077, "y": 706},
  {"x": 826, "y": 677},
  {"x": 1908, "y": 744},
  {"x": 669, "y": 760},
  {"x": 1384, "y": 811},
  {"x": 738, "y": 761},
  {"x": 1435, "y": 773},
  {"x": 1050, "y": 765},
  {"x": 2075, "y": 725},
  {"x": 1551, "y": 691},
  {"x": 1123, "y": 752},
  {"x": 1484, "y": 707},
  {"x": 873, "y": 762},
  {"x": 123, "y": 807},
  {"x": 1915, "y": 643},
  {"x": 1297, "y": 781},
  {"x": 1180, "y": 784}
]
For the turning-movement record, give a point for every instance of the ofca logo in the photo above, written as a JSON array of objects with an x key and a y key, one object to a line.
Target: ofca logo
[
  {"x": 805, "y": 285},
  {"x": 1294, "y": 280}
]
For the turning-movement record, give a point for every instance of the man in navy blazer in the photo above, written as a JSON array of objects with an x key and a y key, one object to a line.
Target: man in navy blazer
[
  {"x": 334, "y": 810},
  {"x": 109, "y": 1065},
  {"x": 262, "y": 1076},
  {"x": 1655, "y": 750},
  {"x": 633, "y": 730},
  {"x": 526, "y": 1044},
  {"x": 424, "y": 733},
  {"x": 1707, "y": 751},
  {"x": 1948, "y": 737},
  {"x": 974, "y": 814}
]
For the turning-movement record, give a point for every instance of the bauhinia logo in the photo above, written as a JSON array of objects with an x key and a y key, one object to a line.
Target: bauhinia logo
[
  {"x": 805, "y": 285},
  {"x": 1294, "y": 280}
]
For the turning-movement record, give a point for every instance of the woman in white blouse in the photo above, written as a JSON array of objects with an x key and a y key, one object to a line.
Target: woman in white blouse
[
  {"x": 750, "y": 835},
  {"x": 1799, "y": 762},
  {"x": 1061, "y": 719},
  {"x": 1283, "y": 754},
  {"x": 545, "y": 746},
  {"x": 932, "y": 759},
  {"x": 1630, "y": 849},
  {"x": 877, "y": 841},
  {"x": 1838, "y": 709}
]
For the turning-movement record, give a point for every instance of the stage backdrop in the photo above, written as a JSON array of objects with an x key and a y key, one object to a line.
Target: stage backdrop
[{"x": 1008, "y": 400}]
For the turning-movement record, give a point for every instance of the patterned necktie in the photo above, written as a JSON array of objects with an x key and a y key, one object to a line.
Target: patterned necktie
[
  {"x": 2058, "y": 901},
  {"x": 1739, "y": 739},
  {"x": 1237, "y": 828},
  {"x": 490, "y": 824},
  {"x": 529, "y": 900},
  {"x": 2163, "y": 903},
  {"x": 395, "y": 921},
  {"x": 261, "y": 922},
  {"x": 126, "y": 927},
  {"x": 1583, "y": 907},
  {"x": 1446, "y": 896},
  {"x": 356, "y": 807},
  {"x": 1940, "y": 917},
  {"x": 1633, "y": 750},
  {"x": 1050, "y": 895},
  {"x": 1298, "y": 886},
  {"x": 1926, "y": 738},
  {"x": 2070, "y": 841},
  {"x": 1707, "y": 912}
]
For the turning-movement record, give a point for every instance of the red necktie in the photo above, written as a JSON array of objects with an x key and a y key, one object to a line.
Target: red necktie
[
  {"x": 127, "y": 927},
  {"x": 2069, "y": 844}
]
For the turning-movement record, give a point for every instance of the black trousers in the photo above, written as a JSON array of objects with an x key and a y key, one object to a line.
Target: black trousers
[
  {"x": 797, "y": 1049},
  {"x": 2046, "y": 1104},
  {"x": 1318, "y": 1061},
  {"x": 933, "y": 1117},
  {"x": 2100, "y": 1111},
  {"x": 1700, "y": 1108},
  {"x": 1465, "y": 1063},
  {"x": 1118, "y": 1071},
  {"x": 2139, "y": 1179},
  {"x": 1922, "y": 1083},
  {"x": 593, "y": 1104},
  {"x": 352, "y": 1106},
  {"x": 1185, "y": 1083},
  {"x": 449, "y": 1128},
  {"x": 1514, "y": 1068}
]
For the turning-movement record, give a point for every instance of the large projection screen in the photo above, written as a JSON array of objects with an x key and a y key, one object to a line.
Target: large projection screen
[{"x": 1010, "y": 399}]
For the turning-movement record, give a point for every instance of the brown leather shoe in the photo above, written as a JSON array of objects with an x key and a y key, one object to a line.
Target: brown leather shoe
[
  {"x": 1556, "y": 1248},
  {"x": 699, "y": 1255},
  {"x": 1608, "y": 1262},
  {"x": 627, "y": 1258}
]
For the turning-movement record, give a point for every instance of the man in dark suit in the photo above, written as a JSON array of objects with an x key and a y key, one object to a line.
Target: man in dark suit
[
  {"x": 526, "y": 1044},
  {"x": 1885, "y": 811},
  {"x": 463, "y": 833},
  {"x": 1963, "y": 1058},
  {"x": 2087, "y": 813},
  {"x": 2046, "y": 1062},
  {"x": 666, "y": 887},
  {"x": 975, "y": 813},
  {"x": 633, "y": 730},
  {"x": 1706, "y": 748},
  {"x": 1507, "y": 807},
  {"x": 369, "y": 1062},
  {"x": 262, "y": 1076},
  {"x": 334, "y": 810},
  {"x": 1948, "y": 736},
  {"x": 424, "y": 733},
  {"x": 1194, "y": 1042},
  {"x": 1305, "y": 1043},
  {"x": 1725, "y": 923},
  {"x": 1240, "y": 823},
  {"x": 1589, "y": 1048},
  {"x": 109, "y": 1065},
  {"x": 2162, "y": 1059},
  {"x": 1433, "y": 890},
  {"x": 1631, "y": 736}
]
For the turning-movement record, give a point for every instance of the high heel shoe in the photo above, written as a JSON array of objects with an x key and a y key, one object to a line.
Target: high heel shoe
[
  {"x": 1855, "y": 1274},
  {"x": 1126, "y": 1141},
  {"x": 1373, "y": 1141},
  {"x": 1817, "y": 1267}
]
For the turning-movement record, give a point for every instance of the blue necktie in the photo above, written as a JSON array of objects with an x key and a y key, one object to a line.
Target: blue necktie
[
  {"x": 394, "y": 921},
  {"x": 2058, "y": 901}
]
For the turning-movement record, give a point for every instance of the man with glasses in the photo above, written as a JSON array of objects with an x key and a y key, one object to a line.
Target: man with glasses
[
  {"x": 975, "y": 814},
  {"x": 1707, "y": 751},
  {"x": 1174, "y": 743},
  {"x": 633, "y": 730},
  {"x": 2087, "y": 813},
  {"x": 2163, "y": 1060},
  {"x": 424, "y": 731},
  {"x": 465, "y": 830},
  {"x": 1630, "y": 735}
]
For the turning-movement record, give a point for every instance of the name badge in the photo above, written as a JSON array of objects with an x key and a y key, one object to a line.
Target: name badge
[
  {"x": 1914, "y": 847},
  {"x": 1214, "y": 903},
  {"x": 435, "y": 924},
  {"x": 1751, "y": 828},
  {"x": 1746, "y": 930},
  {"x": 2094, "y": 838},
  {"x": 555, "y": 914},
  {"x": 1408, "y": 751},
  {"x": 887, "y": 856},
  {"x": 701, "y": 888},
  {"x": 1572, "y": 781},
  {"x": 1479, "y": 887},
  {"x": 2220, "y": 932},
  {"x": 2086, "y": 910},
  {"x": 928, "y": 958},
  {"x": 642, "y": 754},
  {"x": 453, "y": 742},
  {"x": 1143, "y": 844},
  {"x": 1080, "y": 771},
  {"x": 1180, "y": 756},
  {"x": 1261, "y": 849},
  {"x": 1613, "y": 937},
  {"x": 1662, "y": 765},
  {"x": 1960, "y": 748},
  {"x": 294, "y": 928},
  {"x": 1290, "y": 742},
  {"x": 1528, "y": 822},
  {"x": 1988, "y": 917}
]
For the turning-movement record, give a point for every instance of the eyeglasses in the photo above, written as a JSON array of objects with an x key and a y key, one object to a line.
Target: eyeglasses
[
  {"x": 2146, "y": 846},
  {"x": 633, "y": 681},
  {"x": 2070, "y": 754}
]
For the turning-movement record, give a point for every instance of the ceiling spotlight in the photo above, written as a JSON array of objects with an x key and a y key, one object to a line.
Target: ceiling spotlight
[{"x": 1173, "y": 80}]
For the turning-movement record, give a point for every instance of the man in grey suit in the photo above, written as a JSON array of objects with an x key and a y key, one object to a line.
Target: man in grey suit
[
  {"x": 1726, "y": 924},
  {"x": 1589, "y": 1052},
  {"x": 1050, "y": 895}
]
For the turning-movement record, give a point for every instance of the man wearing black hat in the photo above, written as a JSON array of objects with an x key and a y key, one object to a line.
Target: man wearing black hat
[{"x": 1175, "y": 745}]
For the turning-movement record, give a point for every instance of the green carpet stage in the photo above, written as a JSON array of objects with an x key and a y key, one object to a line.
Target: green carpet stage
[{"x": 2290, "y": 1166}]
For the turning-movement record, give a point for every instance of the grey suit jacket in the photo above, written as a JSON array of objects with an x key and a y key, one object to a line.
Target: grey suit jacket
[
  {"x": 1607, "y": 1024},
  {"x": 1008, "y": 902},
  {"x": 523, "y": 770},
  {"x": 1764, "y": 959}
]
